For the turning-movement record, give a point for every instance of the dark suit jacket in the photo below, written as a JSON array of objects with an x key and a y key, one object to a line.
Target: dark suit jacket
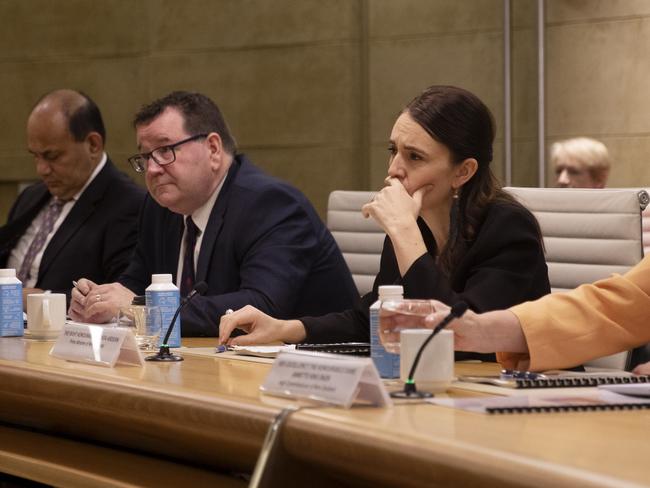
[
  {"x": 264, "y": 245},
  {"x": 94, "y": 241},
  {"x": 503, "y": 266}
]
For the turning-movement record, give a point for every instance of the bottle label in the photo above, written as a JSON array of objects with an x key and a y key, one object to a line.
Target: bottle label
[
  {"x": 168, "y": 301},
  {"x": 11, "y": 310},
  {"x": 386, "y": 363}
]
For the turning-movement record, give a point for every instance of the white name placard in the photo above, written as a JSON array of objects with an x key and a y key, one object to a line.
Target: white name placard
[
  {"x": 94, "y": 344},
  {"x": 327, "y": 378}
]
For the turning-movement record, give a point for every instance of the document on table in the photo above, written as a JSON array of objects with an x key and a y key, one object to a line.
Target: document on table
[
  {"x": 262, "y": 351},
  {"x": 637, "y": 390}
]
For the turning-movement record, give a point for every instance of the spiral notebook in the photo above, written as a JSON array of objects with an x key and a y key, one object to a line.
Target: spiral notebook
[
  {"x": 588, "y": 401},
  {"x": 347, "y": 348},
  {"x": 562, "y": 380}
]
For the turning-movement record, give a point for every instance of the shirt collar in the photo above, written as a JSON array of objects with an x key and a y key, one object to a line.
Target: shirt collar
[{"x": 201, "y": 215}]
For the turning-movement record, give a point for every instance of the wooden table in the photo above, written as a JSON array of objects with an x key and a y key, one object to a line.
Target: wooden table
[
  {"x": 204, "y": 417},
  {"x": 425, "y": 445},
  {"x": 203, "y": 412}
]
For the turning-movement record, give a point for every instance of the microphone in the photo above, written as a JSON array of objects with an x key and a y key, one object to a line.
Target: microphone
[
  {"x": 410, "y": 391},
  {"x": 163, "y": 354}
]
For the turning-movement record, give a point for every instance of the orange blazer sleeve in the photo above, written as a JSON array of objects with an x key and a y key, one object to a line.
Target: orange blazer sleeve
[{"x": 566, "y": 329}]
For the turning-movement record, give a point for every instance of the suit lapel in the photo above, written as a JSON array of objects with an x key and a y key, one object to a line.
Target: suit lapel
[
  {"x": 212, "y": 230},
  {"x": 215, "y": 222},
  {"x": 80, "y": 213}
]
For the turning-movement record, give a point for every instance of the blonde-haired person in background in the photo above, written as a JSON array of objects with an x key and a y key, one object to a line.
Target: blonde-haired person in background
[{"x": 580, "y": 162}]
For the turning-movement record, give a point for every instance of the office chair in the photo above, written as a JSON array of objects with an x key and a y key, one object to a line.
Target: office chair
[
  {"x": 588, "y": 235},
  {"x": 360, "y": 239}
]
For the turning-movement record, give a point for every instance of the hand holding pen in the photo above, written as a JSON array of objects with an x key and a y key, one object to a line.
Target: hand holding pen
[
  {"x": 224, "y": 347},
  {"x": 76, "y": 286},
  {"x": 78, "y": 298},
  {"x": 82, "y": 287},
  {"x": 95, "y": 303}
]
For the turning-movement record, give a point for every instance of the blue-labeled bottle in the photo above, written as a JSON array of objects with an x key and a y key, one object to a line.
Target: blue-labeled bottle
[
  {"x": 164, "y": 294},
  {"x": 387, "y": 363},
  {"x": 11, "y": 304}
]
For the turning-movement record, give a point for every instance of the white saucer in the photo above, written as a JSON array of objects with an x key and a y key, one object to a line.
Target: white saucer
[{"x": 42, "y": 335}]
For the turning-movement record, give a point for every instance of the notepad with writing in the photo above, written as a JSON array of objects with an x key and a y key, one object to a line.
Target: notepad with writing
[{"x": 587, "y": 401}]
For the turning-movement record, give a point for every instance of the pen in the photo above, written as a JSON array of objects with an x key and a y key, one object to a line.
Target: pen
[
  {"x": 223, "y": 347},
  {"x": 511, "y": 374},
  {"x": 76, "y": 285}
]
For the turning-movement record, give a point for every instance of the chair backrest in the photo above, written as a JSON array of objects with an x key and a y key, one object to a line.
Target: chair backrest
[
  {"x": 360, "y": 239},
  {"x": 645, "y": 224},
  {"x": 644, "y": 200},
  {"x": 588, "y": 235}
]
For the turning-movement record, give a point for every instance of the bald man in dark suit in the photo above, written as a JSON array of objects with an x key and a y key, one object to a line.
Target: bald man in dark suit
[{"x": 81, "y": 218}]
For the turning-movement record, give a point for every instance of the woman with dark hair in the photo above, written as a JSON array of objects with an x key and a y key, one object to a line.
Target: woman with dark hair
[{"x": 452, "y": 233}]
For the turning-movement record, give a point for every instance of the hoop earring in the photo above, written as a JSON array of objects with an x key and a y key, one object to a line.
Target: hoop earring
[{"x": 454, "y": 218}]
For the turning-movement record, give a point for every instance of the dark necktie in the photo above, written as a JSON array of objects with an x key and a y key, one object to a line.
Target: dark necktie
[
  {"x": 187, "y": 274},
  {"x": 51, "y": 214}
]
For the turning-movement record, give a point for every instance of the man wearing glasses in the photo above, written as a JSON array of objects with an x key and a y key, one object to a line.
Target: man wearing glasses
[
  {"x": 213, "y": 216},
  {"x": 81, "y": 218}
]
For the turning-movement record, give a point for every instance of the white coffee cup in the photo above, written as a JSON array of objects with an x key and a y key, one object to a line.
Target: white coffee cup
[
  {"x": 45, "y": 314},
  {"x": 435, "y": 371}
]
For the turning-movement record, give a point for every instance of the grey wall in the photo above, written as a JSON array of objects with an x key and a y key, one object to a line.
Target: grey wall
[
  {"x": 312, "y": 87},
  {"x": 598, "y": 77}
]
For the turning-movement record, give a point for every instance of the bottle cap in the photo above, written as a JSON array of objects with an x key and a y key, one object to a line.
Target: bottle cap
[
  {"x": 161, "y": 278},
  {"x": 391, "y": 291},
  {"x": 138, "y": 300},
  {"x": 7, "y": 273}
]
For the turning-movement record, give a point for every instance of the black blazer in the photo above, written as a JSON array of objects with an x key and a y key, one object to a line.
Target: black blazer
[
  {"x": 94, "y": 241},
  {"x": 503, "y": 266},
  {"x": 264, "y": 245}
]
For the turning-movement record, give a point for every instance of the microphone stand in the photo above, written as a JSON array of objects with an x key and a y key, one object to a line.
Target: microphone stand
[
  {"x": 410, "y": 391},
  {"x": 164, "y": 354}
]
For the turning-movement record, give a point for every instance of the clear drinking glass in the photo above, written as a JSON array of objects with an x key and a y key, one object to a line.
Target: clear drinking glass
[
  {"x": 397, "y": 315},
  {"x": 146, "y": 323}
]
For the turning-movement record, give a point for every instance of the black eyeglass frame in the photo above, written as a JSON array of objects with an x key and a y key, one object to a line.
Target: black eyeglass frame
[{"x": 139, "y": 161}]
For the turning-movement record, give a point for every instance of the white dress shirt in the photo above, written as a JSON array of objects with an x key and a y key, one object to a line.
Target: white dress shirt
[{"x": 200, "y": 217}]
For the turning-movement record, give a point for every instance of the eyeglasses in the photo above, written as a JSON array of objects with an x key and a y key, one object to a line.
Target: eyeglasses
[{"x": 162, "y": 155}]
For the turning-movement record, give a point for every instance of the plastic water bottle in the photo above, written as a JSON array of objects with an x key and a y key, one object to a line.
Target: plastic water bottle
[
  {"x": 386, "y": 363},
  {"x": 162, "y": 293},
  {"x": 11, "y": 304}
]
